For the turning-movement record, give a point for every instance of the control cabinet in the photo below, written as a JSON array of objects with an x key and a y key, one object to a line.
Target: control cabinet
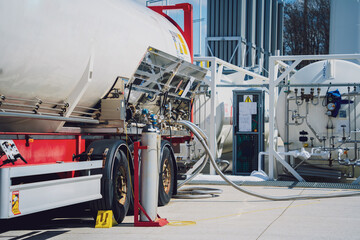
[{"x": 248, "y": 130}]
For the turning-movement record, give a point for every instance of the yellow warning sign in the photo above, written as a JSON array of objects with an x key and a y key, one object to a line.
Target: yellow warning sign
[
  {"x": 248, "y": 99},
  {"x": 15, "y": 203}
]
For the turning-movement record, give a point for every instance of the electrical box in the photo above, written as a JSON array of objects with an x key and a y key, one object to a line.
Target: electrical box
[
  {"x": 112, "y": 109},
  {"x": 248, "y": 130}
]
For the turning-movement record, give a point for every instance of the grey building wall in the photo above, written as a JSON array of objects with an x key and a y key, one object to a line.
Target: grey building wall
[{"x": 245, "y": 32}]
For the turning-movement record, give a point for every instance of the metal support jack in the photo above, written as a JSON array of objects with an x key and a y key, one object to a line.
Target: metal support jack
[{"x": 159, "y": 222}]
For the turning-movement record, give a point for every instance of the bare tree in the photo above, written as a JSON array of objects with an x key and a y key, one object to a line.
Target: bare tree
[{"x": 306, "y": 27}]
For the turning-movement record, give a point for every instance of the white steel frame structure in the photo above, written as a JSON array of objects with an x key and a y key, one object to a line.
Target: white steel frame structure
[{"x": 216, "y": 67}]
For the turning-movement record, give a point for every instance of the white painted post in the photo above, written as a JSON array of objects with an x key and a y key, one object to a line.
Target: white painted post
[
  {"x": 212, "y": 133},
  {"x": 271, "y": 116}
]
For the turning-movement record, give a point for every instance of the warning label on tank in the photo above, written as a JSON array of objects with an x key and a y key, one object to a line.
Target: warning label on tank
[
  {"x": 15, "y": 203},
  {"x": 180, "y": 45}
]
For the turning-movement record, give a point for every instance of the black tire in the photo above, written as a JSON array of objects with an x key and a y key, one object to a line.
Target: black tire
[
  {"x": 117, "y": 193},
  {"x": 166, "y": 176},
  {"x": 131, "y": 205},
  {"x": 122, "y": 191}
]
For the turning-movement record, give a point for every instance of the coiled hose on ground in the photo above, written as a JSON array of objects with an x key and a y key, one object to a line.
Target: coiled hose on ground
[{"x": 199, "y": 134}]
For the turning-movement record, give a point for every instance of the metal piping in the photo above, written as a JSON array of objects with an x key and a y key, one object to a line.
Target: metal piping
[
  {"x": 286, "y": 142},
  {"x": 355, "y": 127},
  {"x": 195, "y": 130},
  {"x": 52, "y": 118},
  {"x": 349, "y": 98},
  {"x": 308, "y": 124}
]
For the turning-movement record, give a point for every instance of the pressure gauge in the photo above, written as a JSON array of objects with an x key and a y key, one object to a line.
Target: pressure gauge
[{"x": 331, "y": 106}]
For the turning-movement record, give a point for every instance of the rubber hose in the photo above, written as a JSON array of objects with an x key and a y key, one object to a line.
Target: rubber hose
[{"x": 194, "y": 129}]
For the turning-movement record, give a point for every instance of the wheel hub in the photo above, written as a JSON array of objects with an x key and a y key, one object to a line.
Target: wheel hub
[
  {"x": 121, "y": 185},
  {"x": 166, "y": 175}
]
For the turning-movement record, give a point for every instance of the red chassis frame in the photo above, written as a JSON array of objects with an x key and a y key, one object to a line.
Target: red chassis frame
[{"x": 51, "y": 149}]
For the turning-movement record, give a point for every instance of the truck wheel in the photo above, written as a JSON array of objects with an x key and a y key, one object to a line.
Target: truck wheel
[
  {"x": 166, "y": 177},
  {"x": 116, "y": 188},
  {"x": 122, "y": 188}
]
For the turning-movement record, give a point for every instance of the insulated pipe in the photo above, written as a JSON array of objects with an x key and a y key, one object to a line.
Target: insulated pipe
[
  {"x": 149, "y": 173},
  {"x": 195, "y": 129}
]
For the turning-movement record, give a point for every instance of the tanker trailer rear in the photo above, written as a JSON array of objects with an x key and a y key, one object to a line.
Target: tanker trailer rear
[{"x": 78, "y": 75}]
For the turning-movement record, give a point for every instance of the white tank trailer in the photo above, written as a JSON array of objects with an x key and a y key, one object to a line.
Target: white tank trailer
[
  {"x": 89, "y": 74},
  {"x": 47, "y": 46}
]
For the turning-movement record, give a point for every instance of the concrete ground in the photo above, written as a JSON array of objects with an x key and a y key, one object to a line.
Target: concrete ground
[{"x": 232, "y": 215}]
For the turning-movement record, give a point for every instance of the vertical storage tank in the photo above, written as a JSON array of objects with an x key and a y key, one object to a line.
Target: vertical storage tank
[{"x": 345, "y": 27}]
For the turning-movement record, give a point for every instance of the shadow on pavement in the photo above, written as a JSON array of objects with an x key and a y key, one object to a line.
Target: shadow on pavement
[{"x": 75, "y": 216}]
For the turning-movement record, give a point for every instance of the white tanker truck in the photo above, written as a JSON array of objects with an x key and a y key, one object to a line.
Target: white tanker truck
[{"x": 78, "y": 82}]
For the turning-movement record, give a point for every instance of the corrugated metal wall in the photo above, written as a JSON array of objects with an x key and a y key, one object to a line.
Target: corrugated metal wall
[{"x": 245, "y": 32}]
